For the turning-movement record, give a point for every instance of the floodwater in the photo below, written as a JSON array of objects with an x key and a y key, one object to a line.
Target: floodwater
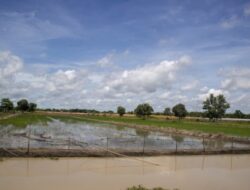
[
  {"x": 221, "y": 172},
  {"x": 56, "y": 134}
]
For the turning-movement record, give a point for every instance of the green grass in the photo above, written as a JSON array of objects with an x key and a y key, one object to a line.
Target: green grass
[{"x": 25, "y": 119}]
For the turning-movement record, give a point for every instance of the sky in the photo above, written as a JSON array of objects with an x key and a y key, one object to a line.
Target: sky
[{"x": 98, "y": 54}]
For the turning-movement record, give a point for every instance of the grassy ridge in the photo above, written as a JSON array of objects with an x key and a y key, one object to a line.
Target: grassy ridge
[
  {"x": 25, "y": 119},
  {"x": 225, "y": 127}
]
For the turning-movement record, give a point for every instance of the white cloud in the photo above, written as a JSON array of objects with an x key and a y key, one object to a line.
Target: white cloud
[
  {"x": 165, "y": 95},
  {"x": 28, "y": 27},
  {"x": 147, "y": 78},
  {"x": 190, "y": 86},
  {"x": 9, "y": 64},
  {"x": 215, "y": 92},
  {"x": 158, "y": 83},
  {"x": 230, "y": 22},
  {"x": 236, "y": 78},
  {"x": 51, "y": 87},
  {"x": 106, "y": 61},
  {"x": 247, "y": 10},
  {"x": 204, "y": 89}
]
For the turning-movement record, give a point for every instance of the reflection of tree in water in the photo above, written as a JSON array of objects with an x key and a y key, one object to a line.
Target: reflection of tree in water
[
  {"x": 177, "y": 138},
  {"x": 218, "y": 144},
  {"x": 141, "y": 133},
  {"x": 120, "y": 128}
]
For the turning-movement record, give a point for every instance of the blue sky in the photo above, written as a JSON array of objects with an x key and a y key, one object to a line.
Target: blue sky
[{"x": 101, "y": 54}]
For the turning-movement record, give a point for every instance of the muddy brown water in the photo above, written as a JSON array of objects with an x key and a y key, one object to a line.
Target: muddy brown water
[{"x": 229, "y": 172}]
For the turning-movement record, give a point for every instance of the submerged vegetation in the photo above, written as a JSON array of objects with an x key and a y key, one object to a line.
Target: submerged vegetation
[
  {"x": 235, "y": 128},
  {"x": 224, "y": 127}
]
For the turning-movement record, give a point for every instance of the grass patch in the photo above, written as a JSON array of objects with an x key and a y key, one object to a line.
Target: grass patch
[{"x": 25, "y": 119}]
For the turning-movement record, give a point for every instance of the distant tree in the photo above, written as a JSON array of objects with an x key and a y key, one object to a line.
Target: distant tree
[
  {"x": 32, "y": 107},
  {"x": 121, "y": 110},
  {"x": 108, "y": 112},
  {"x": 23, "y": 105},
  {"x": 167, "y": 111},
  {"x": 179, "y": 111},
  {"x": 6, "y": 105},
  {"x": 215, "y": 106},
  {"x": 143, "y": 110},
  {"x": 195, "y": 114},
  {"x": 238, "y": 114}
]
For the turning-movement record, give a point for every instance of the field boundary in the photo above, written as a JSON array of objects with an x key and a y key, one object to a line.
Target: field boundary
[
  {"x": 40, "y": 152},
  {"x": 76, "y": 148}
]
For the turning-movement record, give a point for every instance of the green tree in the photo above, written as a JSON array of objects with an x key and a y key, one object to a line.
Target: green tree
[
  {"x": 23, "y": 105},
  {"x": 121, "y": 110},
  {"x": 32, "y": 106},
  {"x": 167, "y": 111},
  {"x": 143, "y": 110},
  {"x": 6, "y": 105},
  {"x": 179, "y": 111},
  {"x": 238, "y": 114},
  {"x": 215, "y": 106}
]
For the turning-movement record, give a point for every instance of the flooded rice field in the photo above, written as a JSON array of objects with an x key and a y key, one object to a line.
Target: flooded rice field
[
  {"x": 73, "y": 135},
  {"x": 219, "y": 172}
]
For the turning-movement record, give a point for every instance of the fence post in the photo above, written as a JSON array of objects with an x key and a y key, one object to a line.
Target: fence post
[
  {"x": 69, "y": 143},
  {"x": 28, "y": 145},
  {"x": 143, "y": 150},
  {"x": 232, "y": 144},
  {"x": 203, "y": 143},
  {"x": 176, "y": 146},
  {"x": 107, "y": 146}
]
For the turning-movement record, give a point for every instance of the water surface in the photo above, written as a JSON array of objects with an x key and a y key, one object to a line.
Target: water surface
[
  {"x": 229, "y": 172},
  {"x": 62, "y": 134}
]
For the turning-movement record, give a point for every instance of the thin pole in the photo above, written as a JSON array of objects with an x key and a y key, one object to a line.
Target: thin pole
[
  {"x": 143, "y": 145},
  {"x": 69, "y": 143},
  {"x": 28, "y": 146},
  {"x": 203, "y": 143},
  {"x": 232, "y": 145},
  {"x": 107, "y": 146},
  {"x": 176, "y": 146}
]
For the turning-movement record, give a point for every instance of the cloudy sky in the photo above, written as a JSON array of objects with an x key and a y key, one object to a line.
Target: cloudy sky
[{"x": 100, "y": 54}]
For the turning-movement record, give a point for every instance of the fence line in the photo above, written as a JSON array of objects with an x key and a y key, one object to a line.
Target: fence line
[{"x": 116, "y": 145}]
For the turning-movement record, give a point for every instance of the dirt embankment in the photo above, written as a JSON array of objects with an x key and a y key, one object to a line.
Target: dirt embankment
[{"x": 42, "y": 152}]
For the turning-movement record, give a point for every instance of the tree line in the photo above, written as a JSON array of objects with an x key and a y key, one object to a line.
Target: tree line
[
  {"x": 22, "y": 105},
  {"x": 214, "y": 108}
]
